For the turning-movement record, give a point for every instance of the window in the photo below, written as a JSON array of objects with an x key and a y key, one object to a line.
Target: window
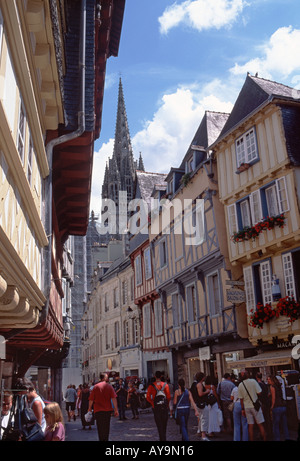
[
  {"x": 191, "y": 303},
  {"x": 135, "y": 335},
  {"x": 175, "y": 312},
  {"x": 116, "y": 297},
  {"x": 21, "y": 131},
  {"x": 163, "y": 253},
  {"x": 147, "y": 320},
  {"x": 291, "y": 271},
  {"x": 106, "y": 337},
  {"x": 30, "y": 160},
  {"x": 214, "y": 293},
  {"x": 246, "y": 148},
  {"x": 158, "y": 317},
  {"x": 124, "y": 294},
  {"x": 190, "y": 165},
  {"x": 106, "y": 302},
  {"x": 126, "y": 333},
  {"x": 270, "y": 200},
  {"x": 132, "y": 288},
  {"x": 249, "y": 289},
  {"x": 138, "y": 270},
  {"x": 171, "y": 186},
  {"x": 117, "y": 334},
  {"x": 262, "y": 278},
  {"x": 148, "y": 264}
]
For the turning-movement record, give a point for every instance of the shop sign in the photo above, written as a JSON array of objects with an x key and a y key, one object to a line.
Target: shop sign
[
  {"x": 235, "y": 296},
  {"x": 204, "y": 353}
]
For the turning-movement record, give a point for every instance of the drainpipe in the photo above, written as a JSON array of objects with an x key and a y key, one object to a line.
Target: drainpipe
[{"x": 49, "y": 151}]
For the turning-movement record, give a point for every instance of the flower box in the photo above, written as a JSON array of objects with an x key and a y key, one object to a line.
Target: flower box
[{"x": 253, "y": 232}]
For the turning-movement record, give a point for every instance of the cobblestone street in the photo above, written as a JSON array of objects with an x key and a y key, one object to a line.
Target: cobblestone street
[{"x": 139, "y": 430}]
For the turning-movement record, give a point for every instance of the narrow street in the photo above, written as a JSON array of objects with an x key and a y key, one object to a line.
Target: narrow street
[{"x": 140, "y": 430}]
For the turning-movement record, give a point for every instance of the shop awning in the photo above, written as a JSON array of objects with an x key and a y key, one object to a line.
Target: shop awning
[{"x": 265, "y": 359}]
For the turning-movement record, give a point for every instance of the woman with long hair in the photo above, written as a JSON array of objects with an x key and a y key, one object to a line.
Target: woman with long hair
[
  {"x": 278, "y": 408},
  {"x": 183, "y": 401}
]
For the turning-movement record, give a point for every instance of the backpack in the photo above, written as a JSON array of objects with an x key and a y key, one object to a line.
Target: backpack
[
  {"x": 160, "y": 399},
  {"x": 211, "y": 399}
]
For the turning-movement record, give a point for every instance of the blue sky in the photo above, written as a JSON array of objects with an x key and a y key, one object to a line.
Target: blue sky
[{"x": 178, "y": 59}]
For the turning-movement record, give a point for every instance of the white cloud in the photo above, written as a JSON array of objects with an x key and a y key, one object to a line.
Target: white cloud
[
  {"x": 166, "y": 138},
  {"x": 279, "y": 58},
  {"x": 201, "y": 14},
  {"x": 99, "y": 163}
]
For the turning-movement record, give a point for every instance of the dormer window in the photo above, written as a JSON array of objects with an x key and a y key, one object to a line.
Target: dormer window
[
  {"x": 190, "y": 165},
  {"x": 171, "y": 186},
  {"x": 246, "y": 148}
]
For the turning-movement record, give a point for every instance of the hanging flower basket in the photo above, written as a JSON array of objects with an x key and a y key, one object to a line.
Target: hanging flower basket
[{"x": 249, "y": 233}]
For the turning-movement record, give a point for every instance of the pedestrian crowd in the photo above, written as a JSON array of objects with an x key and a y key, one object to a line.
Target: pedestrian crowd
[{"x": 234, "y": 405}]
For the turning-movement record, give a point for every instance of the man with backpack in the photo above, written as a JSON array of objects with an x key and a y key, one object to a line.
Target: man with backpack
[{"x": 158, "y": 395}]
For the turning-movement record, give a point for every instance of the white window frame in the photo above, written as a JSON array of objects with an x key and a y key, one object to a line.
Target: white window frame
[
  {"x": 158, "y": 317},
  {"x": 214, "y": 309},
  {"x": 232, "y": 219},
  {"x": 147, "y": 320},
  {"x": 246, "y": 147},
  {"x": 266, "y": 281},
  {"x": 116, "y": 297},
  {"x": 288, "y": 273},
  {"x": 138, "y": 270},
  {"x": 245, "y": 213},
  {"x": 135, "y": 335},
  {"x": 148, "y": 263},
  {"x": 255, "y": 207}
]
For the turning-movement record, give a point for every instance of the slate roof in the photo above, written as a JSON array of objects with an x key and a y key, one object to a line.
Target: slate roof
[
  {"x": 208, "y": 131},
  {"x": 254, "y": 92},
  {"x": 146, "y": 182}
]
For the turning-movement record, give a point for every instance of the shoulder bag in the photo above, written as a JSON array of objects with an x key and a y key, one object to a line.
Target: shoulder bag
[{"x": 256, "y": 404}]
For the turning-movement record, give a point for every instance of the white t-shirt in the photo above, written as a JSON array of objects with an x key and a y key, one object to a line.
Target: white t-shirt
[{"x": 253, "y": 388}]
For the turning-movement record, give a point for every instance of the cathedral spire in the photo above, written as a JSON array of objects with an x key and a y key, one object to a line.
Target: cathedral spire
[
  {"x": 122, "y": 145},
  {"x": 141, "y": 163}
]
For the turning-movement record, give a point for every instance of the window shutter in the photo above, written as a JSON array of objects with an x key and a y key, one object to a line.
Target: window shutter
[
  {"x": 289, "y": 278},
  {"x": 249, "y": 289},
  {"x": 266, "y": 281},
  {"x": 283, "y": 203},
  {"x": 232, "y": 219},
  {"x": 255, "y": 205}
]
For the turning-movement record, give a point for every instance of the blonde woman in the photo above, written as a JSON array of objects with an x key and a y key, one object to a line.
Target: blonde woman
[{"x": 55, "y": 430}]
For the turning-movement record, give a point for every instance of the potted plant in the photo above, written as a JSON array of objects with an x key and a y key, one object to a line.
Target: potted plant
[
  {"x": 243, "y": 166},
  {"x": 289, "y": 307}
]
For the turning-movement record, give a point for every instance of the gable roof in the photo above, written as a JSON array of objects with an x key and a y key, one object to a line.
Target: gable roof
[
  {"x": 255, "y": 92},
  {"x": 208, "y": 131}
]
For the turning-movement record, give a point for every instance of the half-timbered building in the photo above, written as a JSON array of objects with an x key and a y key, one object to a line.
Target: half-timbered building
[
  {"x": 191, "y": 263},
  {"x": 258, "y": 174}
]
